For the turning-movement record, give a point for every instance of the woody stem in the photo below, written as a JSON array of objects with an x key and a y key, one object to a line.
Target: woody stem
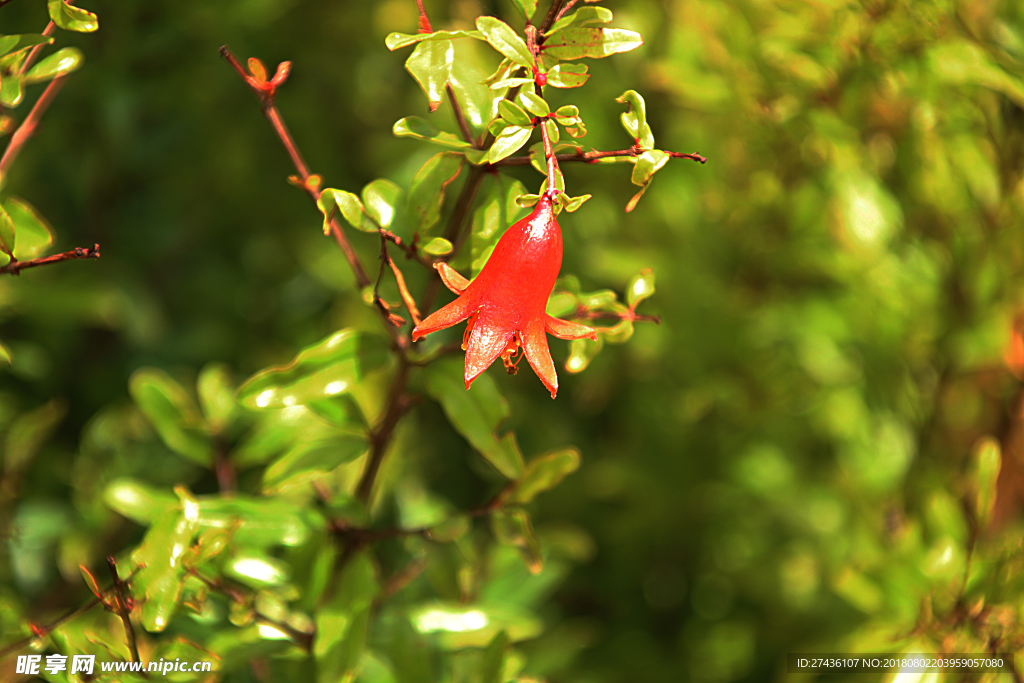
[{"x": 549, "y": 154}]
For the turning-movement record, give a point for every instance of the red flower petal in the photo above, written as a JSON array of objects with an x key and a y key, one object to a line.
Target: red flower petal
[
  {"x": 488, "y": 340},
  {"x": 535, "y": 344}
]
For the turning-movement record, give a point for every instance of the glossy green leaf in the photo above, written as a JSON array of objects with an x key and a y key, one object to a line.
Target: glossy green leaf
[
  {"x": 458, "y": 626},
  {"x": 987, "y": 459},
  {"x": 503, "y": 39},
  {"x": 395, "y": 41},
  {"x": 426, "y": 193},
  {"x": 173, "y": 414},
  {"x": 509, "y": 142},
  {"x": 584, "y": 16},
  {"x": 23, "y": 41},
  {"x": 216, "y": 395},
  {"x": 571, "y": 204},
  {"x": 350, "y": 207},
  {"x": 32, "y": 231},
  {"x": 27, "y": 433},
  {"x": 420, "y": 129},
  {"x": 476, "y": 414},
  {"x": 581, "y": 352},
  {"x": 479, "y": 103},
  {"x": 527, "y": 7},
  {"x": 512, "y": 526},
  {"x": 438, "y": 246},
  {"x": 492, "y": 665},
  {"x": 640, "y": 287},
  {"x": 647, "y": 164},
  {"x": 634, "y": 120},
  {"x": 11, "y": 91},
  {"x": 576, "y": 43},
  {"x": 568, "y": 76},
  {"x": 7, "y": 232},
  {"x": 137, "y": 500},
  {"x": 533, "y": 103},
  {"x": 342, "y": 623},
  {"x": 60, "y": 63},
  {"x": 382, "y": 200},
  {"x": 514, "y": 114},
  {"x": 545, "y": 473},
  {"x": 430, "y": 64},
  {"x": 330, "y": 367},
  {"x": 506, "y": 83},
  {"x": 71, "y": 18},
  {"x": 254, "y": 520},
  {"x": 316, "y": 457},
  {"x": 257, "y": 570},
  {"x": 158, "y": 583},
  {"x": 551, "y": 128}
]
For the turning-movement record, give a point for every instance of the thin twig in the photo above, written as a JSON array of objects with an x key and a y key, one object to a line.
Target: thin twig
[
  {"x": 43, "y": 631},
  {"x": 397, "y": 404},
  {"x": 410, "y": 304},
  {"x": 122, "y": 607},
  {"x": 28, "y": 127},
  {"x": 15, "y": 267},
  {"x": 460, "y": 117}
]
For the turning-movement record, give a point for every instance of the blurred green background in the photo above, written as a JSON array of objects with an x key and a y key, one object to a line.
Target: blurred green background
[{"x": 787, "y": 463}]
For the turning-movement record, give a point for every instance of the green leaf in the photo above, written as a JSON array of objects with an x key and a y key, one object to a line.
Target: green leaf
[
  {"x": 438, "y": 246},
  {"x": 476, "y": 414},
  {"x": 545, "y": 473},
  {"x": 137, "y": 500},
  {"x": 395, "y": 41},
  {"x": 514, "y": 114},
  {"x": 72, "y": 18},
  {"x": 640, "y": 287},
  {"x": 582, "y": 17},
  {"x": 503, "y": 39},
  {"x": 506, "y": 83},
  {"x": 635, "y": 119},
  {"x": 987, "y": 460},
  {"x": 450, "y": 530},
  {"x": 328, "y": 368},
  {"x": 11, "y": 91},
  {"x": 575, "y": 43},
  {"x": 552, "y": 130},
  {"x": 479, "y": 104},
  {"x": 527, "y": 7},
  {"x": 581, "y": 352},
  {"x": 27, "y": 433},
  {"x": 408, "y": 652},
  {"x": 7, "y": 232},
  {"x": 382, "y": 199},
  {"x": 158, "y": 583},
  {"x": 430, "y": 64},
  {"x": 254, "y": 520},
  {"x": 533, "y": 103},
  {"x": 509, "y": 142},
  {"x": 342, "y": 623},
  {"x": 5, "y": 354},
  {"x": 216, "y": 395},
  {"x": 316, "y": 457},
  {"x": 16, "y": 43},
  {"x": 33, "y": 233},
  {"x": 568, "y": 76},
  {"x": 492, "y": 665},
  {"x": 571, "y": 204},
  {"x": 458, "y": 625},
  {"x": 426, "y": 193},
  {"x": 420, "y": 129},
  {"x": 512, "y": 527},
  {"x": 257, "y": 570},
  {"x": 172, "y": 413},
  {"x": 350, "y": 207},
  {"x": 647, "y": 164},
  {"x": 60, "y": 63}
]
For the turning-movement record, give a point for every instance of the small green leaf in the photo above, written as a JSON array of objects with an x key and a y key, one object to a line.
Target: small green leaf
[
  {"x": 137, "y": 500},
  {"x": 506, "y": 83},
  {"x": 342, "y": 623},
  {"x": 987, "y": 463},
  {"x": 527, "y": 7},
  {"x": 328, "y": 368},
  {"x": 438, "y": 246},
  {"x": 350, "y": 207},
  {"x": 503, "y": 39},
  {"x": 552, "y": 130},
  {"x": 534, "y": 103},
  {"x": 476, "y": 414},
  {"x": 71, "y": 18},
  {"x": 60, "y": 63},
  {"x": 545, "y": 473},
  {"x": 635, "y": 119},
  {"x": 527, "y": 200},
  {"x": 512, "y": 526},
  {"x": 257, "y": 570},
  {"x": 430, "y": 64},
  {"x": 640, "y": 287},
  {"x": 420, "y": 129},
  {"x": 259, "y": 521},
  {"x": 173, "y": 414},
  {"x": 33, "y": 233},
  {"x": 492, "y": 664},
  {"x": 581, "y": 352},
  {"x": 395, "y": 41},
  {"x": 647, "y": 164},
  {"x": 457, "y": 625},
  {"x": 23, "y": 41},
  {"x": 568, "y": 76},
  {"x": 426, "y": 193},
  {"x": 509, "y": 142},
  {"x": 576, "y": 43},
  {"x": 584, "y": 16},
  {"x": 514, "y": 114},
  {"x": 382, "y": 199},
  {"x": 216, "y": 395},
  {"x": 571, "y": 204},
  {"x": 11, "y": 91},
  {"x": 316, "y": 457},
  {"x": 7, "y": 232},
  {"x": 27, "y": 433}
]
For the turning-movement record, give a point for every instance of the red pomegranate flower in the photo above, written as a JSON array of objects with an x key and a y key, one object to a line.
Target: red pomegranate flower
[{"x": 505, "y": 303}]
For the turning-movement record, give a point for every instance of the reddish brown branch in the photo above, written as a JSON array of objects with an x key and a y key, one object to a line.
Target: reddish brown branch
[
  {"x": 28, "y": 127},
  {"x": 397, "y": 404},
  {"x": 122, "y": 607},
  {"x": 15, "y": 267},
  {"x": 460, "y": 118}
]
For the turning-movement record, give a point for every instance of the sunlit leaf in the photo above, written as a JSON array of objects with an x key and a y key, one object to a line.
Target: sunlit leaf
[
  {"x": 503, "y": 39},
  {"x": 584, "y": 16},
  {"x": 60, "y": 63},
  {"x": 426, "y": 193},
  {"x": 473, "y": 625},
  {"x": 430, "y": 64},
  {"x": 11, "y": 91},
  {"x": 137, "y": 500},
  {"x": 534, "y": 103},
  {"x": 640, "y": 287},
  {"x": 348, "y": 205},
  {"x": 438, "y": 246},
  {"x": 527, "y": 7},
  {"x": 71, "y": 18},
  {"x": 382, "y": 200},
  {"x": 394, "y": 41},
  {"x": 635, "y": 120},
  {"x": 32, "y": 231},
  {"x": 420, "y": 129},
  {"x": 575, "y": 43},
  {"x": 509, "y": 142},
  {"x": 568, "y": 76},
  {"x": 7, "y": 232},
  {"x": 23, "y": 41},
  {"x": 316, "y": 457}
]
